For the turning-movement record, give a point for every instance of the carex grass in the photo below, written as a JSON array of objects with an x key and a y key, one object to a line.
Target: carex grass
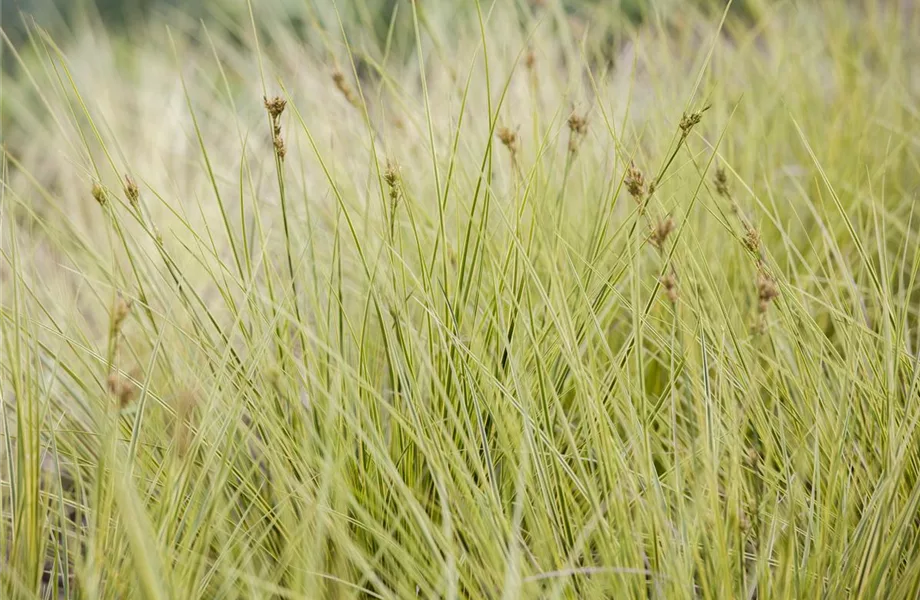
[{"x": 486, "y": 300}]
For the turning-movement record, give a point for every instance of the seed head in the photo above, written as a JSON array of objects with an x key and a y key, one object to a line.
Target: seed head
[
  {"x": 121, "y": 388},
  {"x": 509, "y": 138},
  {"x": 578, "y": 124},
  {"x": 338, "y": 77},
  {"x": 578, "y": 128},
  {"x": 275, "y": 106},
  {"x": 669, "y": 282},
  {"x": 280, "y": 148},
  {"x": 661, "y": 232},
  {"x": 688, "y": 122},
  {"x": 721, "y": 182},
  {"x": 391, "y": 174},
  {"x": 530, "y": 60},
  {"x": 752, "y": 240},
  {"x": 120, "y": 311},
  {"x": 99, "y": 194},
  {"x": 391, "y": 177},
  {"x": 131, "y": 191},
  {"x": 635, "y": 182},
  {"x": 767, "y": 291}
]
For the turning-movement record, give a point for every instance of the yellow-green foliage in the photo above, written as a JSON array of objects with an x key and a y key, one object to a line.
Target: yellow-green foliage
[{"x": 513, "y": 301}]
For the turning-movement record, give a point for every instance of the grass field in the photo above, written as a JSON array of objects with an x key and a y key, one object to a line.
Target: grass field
[{"x": 462, "y": 300}]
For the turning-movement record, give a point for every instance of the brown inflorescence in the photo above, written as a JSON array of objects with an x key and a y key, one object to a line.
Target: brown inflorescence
[
  {"x": 121, "y": 388},
  {"x": 767, "y": 291},
  {"x": 338, "y": 77},
  {"x": 391, "y": 177},
  {"x": 509, "y": 138},
  {"x": 721, "y": 180},
  {"x": 669, "y": 282},
  {"x": 578, "y": 129},
  {"x": 688, "y": 122},
  {"x": 635, "y": 182},
  {"x": 275, "y": 107},
  {"x": 530, "y": 59},
  {"x": 99, "y": 194},
  {"x": 661, "y": 232},
  {"x": 132, "y": 192},
  {"x": 752, "y": 240}
]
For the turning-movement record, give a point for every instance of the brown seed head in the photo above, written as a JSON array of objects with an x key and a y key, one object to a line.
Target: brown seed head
[
  {"x": 275, "y": 106},
  {"x": 338, "y": 77},
  {"x": 391, "y": 174},
  {"x": 767, "y": 291},
  {"x": 280, "y": 148},
  {"x": 509, "y": 138},
  {"x": 391, "y": 177},
  {"x": 721, "y": 180},
  {"x": 752, "y": 240},
  {"x": 530, "y": 60},
  {"x": 120, "y": 311},
  {"x": 578, "y": 124},
  {"x": 99, "y": 194},
  {"x": 661, "y": 232},
  {"x": 688, "y": 122},
  {"x": 131, "y": 191},
  {"x": 578, "y": 128},
  {"x": 669, "y": 282},
  {"x": 635, "y": 182},
  {"x": 121, "y": 388}
]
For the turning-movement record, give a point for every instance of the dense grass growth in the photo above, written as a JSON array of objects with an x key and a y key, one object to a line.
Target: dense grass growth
[{"x": 502, "y": 303}]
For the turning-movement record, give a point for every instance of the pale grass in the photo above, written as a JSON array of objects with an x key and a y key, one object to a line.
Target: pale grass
[{"x": 401, "y": 361}]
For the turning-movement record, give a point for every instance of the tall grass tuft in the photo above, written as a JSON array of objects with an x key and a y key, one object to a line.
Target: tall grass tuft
[{"x": 485, "y": 302}]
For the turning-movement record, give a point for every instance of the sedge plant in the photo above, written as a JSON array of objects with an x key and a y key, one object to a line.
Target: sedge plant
[{"x": 505, "y": 300}]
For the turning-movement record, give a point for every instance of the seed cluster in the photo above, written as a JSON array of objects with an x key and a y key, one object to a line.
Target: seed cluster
[
  {"x": 338, "y": 77},
  {"x": 752, "y": 240},
  {"x": 530, "y": 59},
  {"x": 635, "y": 183},
  {"x": 721, "y": 181},
  {"x": 275, "y": 107},
  {"x": 688, "y": 122},
  {"x": 132, "y": 192},
  {"x": 669, "y": 282},
  {"x": 391, "y": 178},
  {"x": 119, "y": 386},
  {"x": 509, "y": 138},
  {"x": 661, "y": 232},
  {"x": 766, "y": 290},
  {"x": 99, "y": 194},
  {"x": 578, "y": 129}
]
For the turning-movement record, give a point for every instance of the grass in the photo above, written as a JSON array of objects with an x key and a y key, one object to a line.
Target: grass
[{"x": 503, "y": 303}]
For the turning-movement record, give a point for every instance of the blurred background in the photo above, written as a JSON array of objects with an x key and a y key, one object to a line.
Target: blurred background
[{"x": 59, "y": 16}]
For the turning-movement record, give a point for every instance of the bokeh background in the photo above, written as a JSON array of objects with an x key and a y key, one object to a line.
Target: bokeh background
[{"x": 60, "y": 15}]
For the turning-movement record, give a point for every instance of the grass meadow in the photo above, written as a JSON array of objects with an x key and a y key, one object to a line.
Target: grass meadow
[{"x": 481, "y": 299}]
